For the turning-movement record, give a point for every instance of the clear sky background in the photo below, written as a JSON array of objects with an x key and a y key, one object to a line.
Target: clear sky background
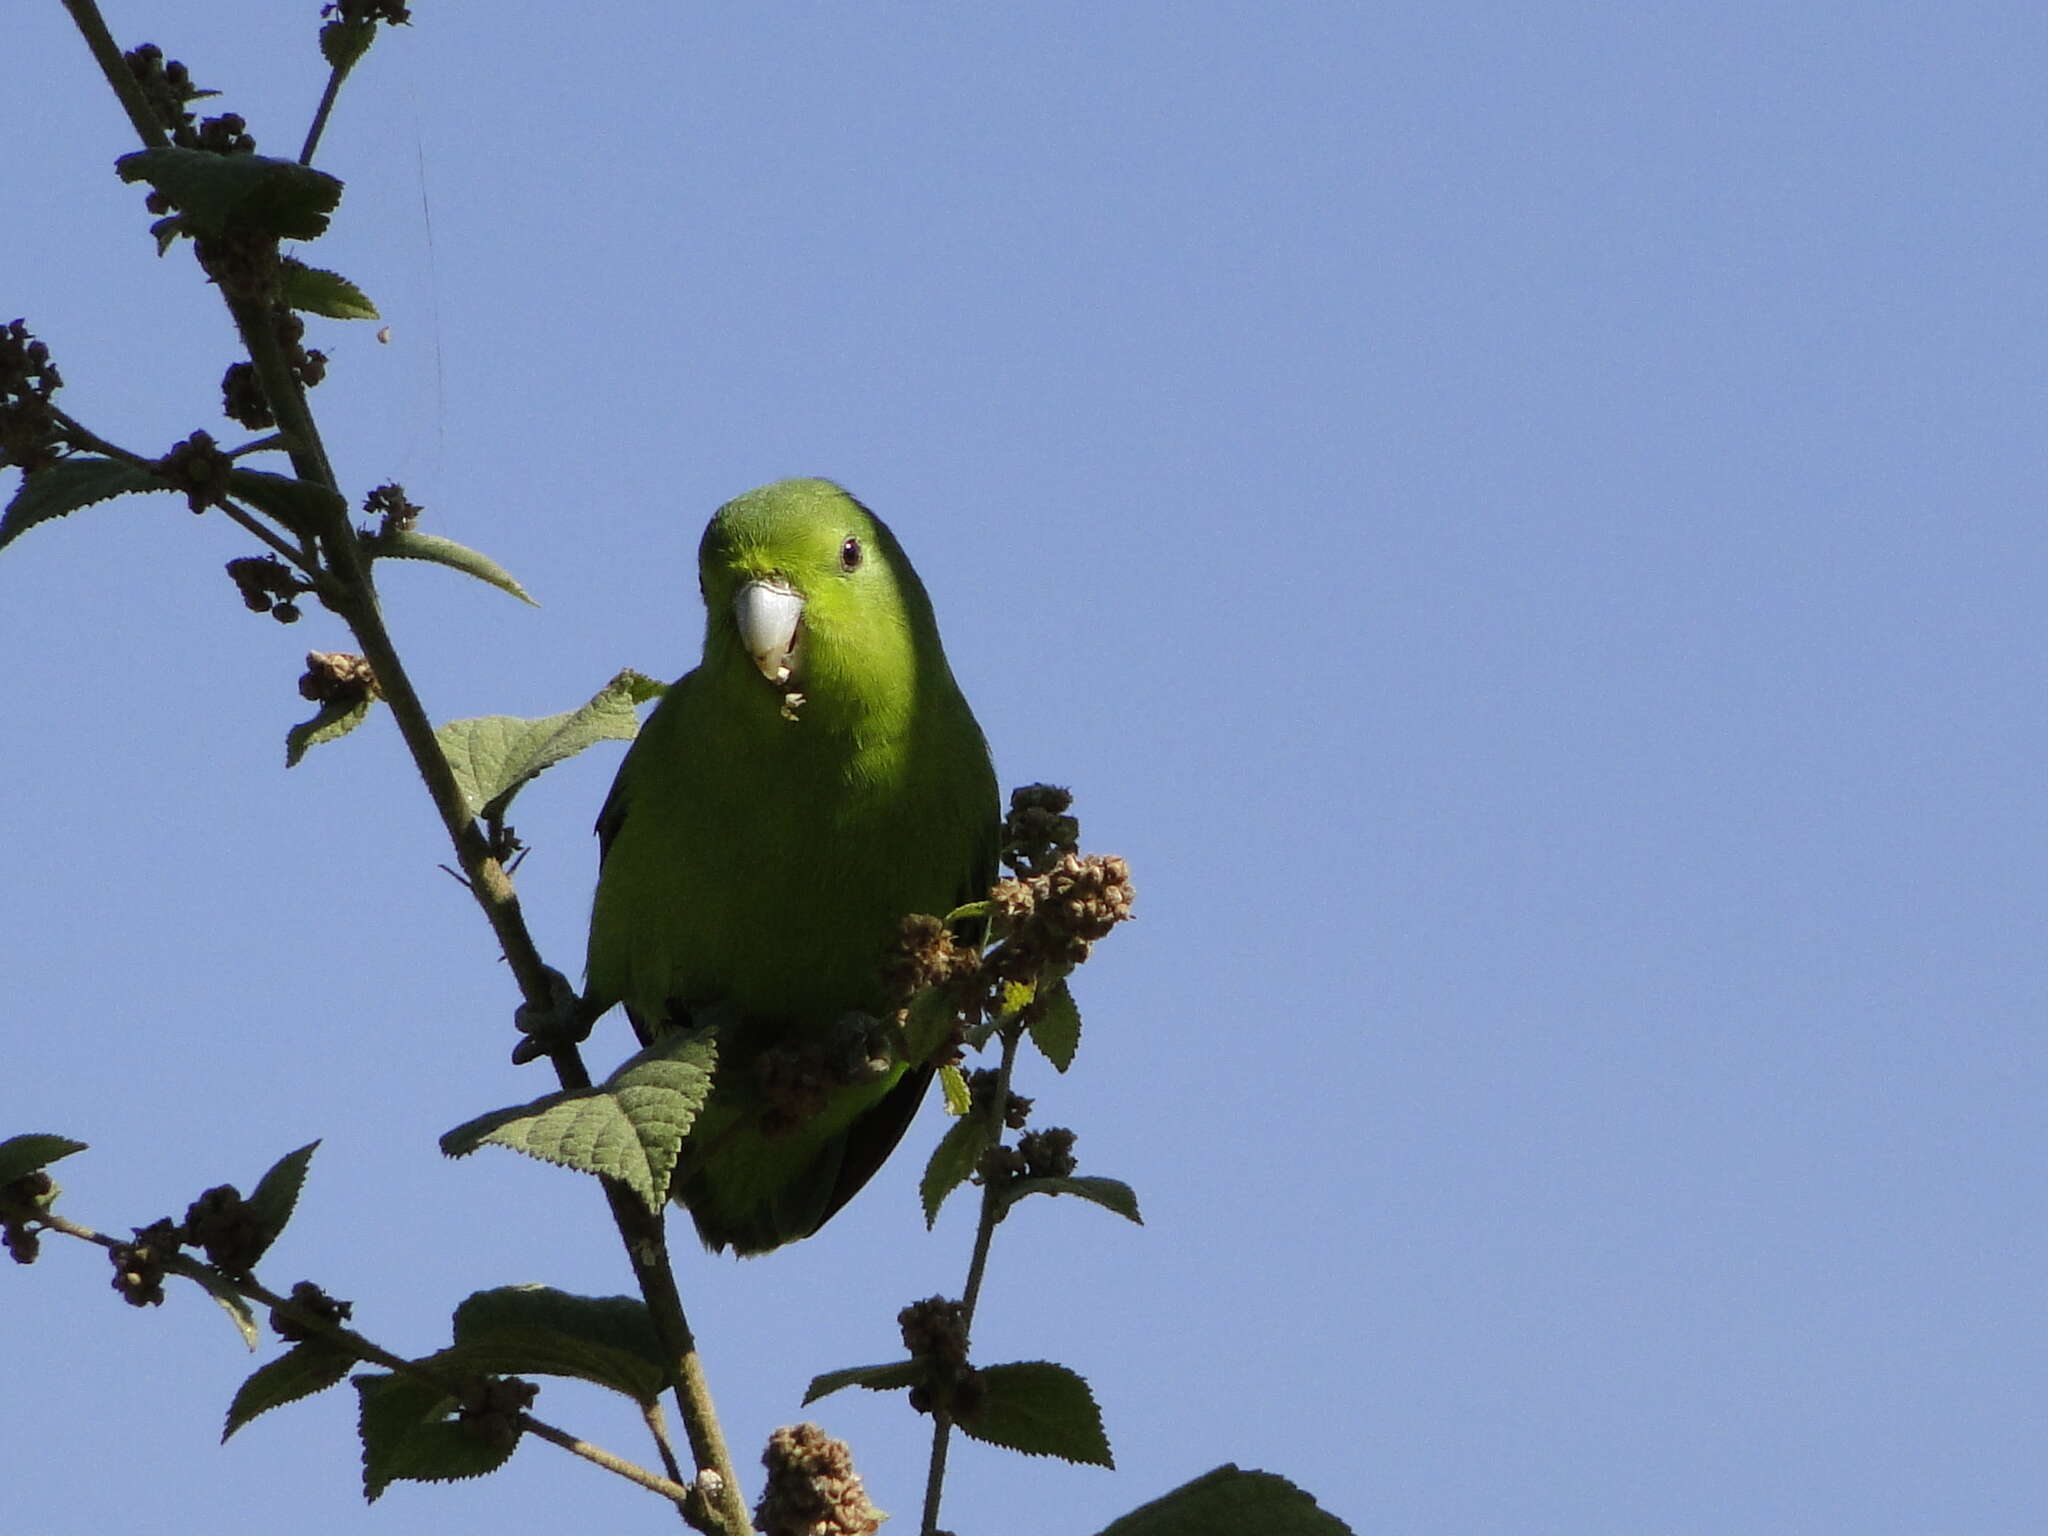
[{"x": 1524, "y": 523}]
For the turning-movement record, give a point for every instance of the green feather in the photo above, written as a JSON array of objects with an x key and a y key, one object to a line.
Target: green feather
[{"x": 764, "y": 840}]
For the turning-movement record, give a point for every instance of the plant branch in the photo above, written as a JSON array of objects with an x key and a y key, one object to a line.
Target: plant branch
[
  {"x": 321, "y": 113},
  {"x": 80, "y": 436},
  {"x": 985, "y": 1231},
  {"x": 343, "y": 580},
  {"x": 250, "y": 1289},
  {"x": 646, "y": 1242},
  {"x": 657, "y": 1426},
  {"x": 977, "y": 1267},
  {"x": 85, "y": 15}
]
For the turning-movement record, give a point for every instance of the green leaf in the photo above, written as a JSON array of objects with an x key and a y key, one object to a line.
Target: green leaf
[
  {"x": 953, "y": 1084},
  {"x": 67, "y": 485},
  {"x": 425, "y": 546},
  {"x": 343, "y": 43},
  {"x": 630, "y": 1128},
  {"x": 237, "y": 1309},
  {"x": 1228, "y": 1500},
  {"x": 24, "y": 1154},
  {"x": 316, "y": 291},
  {"x": 893, "y": 1377},
  {"x": 495, "y": 756},
  {"x": 953, "y": 1159},
  {"x": 929, "y": 1024},
  {"x": 276, "y": 1193},
  {"x": 301, "y": 1371},
  {"x": 1040, "y": 1409},
  {"x": 238, "y": 194},
  {"x": 304, "y": 506},
  {"x": 1055, "y": 1026},
  {"x": 409, "y": 1434},
  {"x": 332, "y": 723},
  {"x": 1110, "y": 1194},
  {"x": 536, "y": 1330}
]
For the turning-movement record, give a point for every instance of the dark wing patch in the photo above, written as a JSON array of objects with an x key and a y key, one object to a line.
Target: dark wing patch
[{"x": 612, "y": 816}]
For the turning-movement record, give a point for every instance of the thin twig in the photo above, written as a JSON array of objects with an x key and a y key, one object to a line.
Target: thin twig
[
  {"x": 985, "y": 1232},
  {"x": 320, "y": 113},
  {"x": 657, "y": 1426},
  {"x": 669, "y": 1488}
]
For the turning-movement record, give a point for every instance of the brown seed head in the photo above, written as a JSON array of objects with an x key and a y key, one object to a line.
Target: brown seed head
[
  {"x": 812, "y": 1488},
  {"x": 30, "y": 436},
  {"x": 198, "y": 468},
  {"x": 315, "y": 1300},
  {"x": 221, "y": 1223},
  {"x": 1047, "y": 1154},
  {"x": 336, "y": 677},
  {"x": 139, "y": 1266}
]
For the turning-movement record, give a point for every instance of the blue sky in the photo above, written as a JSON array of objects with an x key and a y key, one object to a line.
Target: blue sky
[{"x": 1522, "y": 522}]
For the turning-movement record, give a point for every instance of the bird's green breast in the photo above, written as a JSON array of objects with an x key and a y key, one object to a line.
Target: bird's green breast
[{"x": 767, "y": 862}]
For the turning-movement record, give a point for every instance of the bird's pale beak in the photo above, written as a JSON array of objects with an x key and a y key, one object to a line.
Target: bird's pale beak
[{"x": 770, "y": 615}]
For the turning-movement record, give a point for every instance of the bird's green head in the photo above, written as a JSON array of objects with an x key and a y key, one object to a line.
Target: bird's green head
[{"x": 809, "y": 589}]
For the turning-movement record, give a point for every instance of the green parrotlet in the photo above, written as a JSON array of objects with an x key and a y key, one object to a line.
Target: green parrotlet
[{"x": 817, "y": 778}]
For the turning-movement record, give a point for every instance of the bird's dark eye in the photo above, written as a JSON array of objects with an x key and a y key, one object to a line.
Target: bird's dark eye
[{"x": 849, "y": 555}]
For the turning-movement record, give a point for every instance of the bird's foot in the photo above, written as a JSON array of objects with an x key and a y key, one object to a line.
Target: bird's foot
[{"x": 548, "y": 1027}]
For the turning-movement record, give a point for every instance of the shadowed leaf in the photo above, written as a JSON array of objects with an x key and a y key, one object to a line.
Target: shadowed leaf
[
  {"x": 343, "y": 43},
  {"x": 304, "y": 1369},
  {"x": 67, "y": 485},
  {"x": 535, "y": 1330},
  {"x": 1040, "y": 1409},
  {"x": 316, "y": 291},
  {"x": 1228, "y": 1500},
  {"x": 409, "y": 1434},
  {"x": 892, "y": 1377},
  {"x": 1110, "y": 1194},
  {"x": 276, "y": 1193},
  {"x": 304, "y": 506},
  {"x": 26, "y": 1153}
]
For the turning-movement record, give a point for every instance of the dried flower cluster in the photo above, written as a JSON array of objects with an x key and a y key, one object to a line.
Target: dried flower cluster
[
  {"x": 812, "y": 1488},
  {"x": 22, "y": 1201},
  {"x": 336, "y": 677},
  {"x": 198, "y": 468},
  {"x": 241, "y": 392},
  {"x": 267, "y": 585},
  {"x": 493, "y": 1409},
  {"x": 221, "y": 1222},
  {"x": 309, "y": 1296},
  {"x": 389, "y": 12},
  {"x": 139, "y": 1266},
  {"x": 389, "y": 503},
  {"x": 30, "y": 434}
]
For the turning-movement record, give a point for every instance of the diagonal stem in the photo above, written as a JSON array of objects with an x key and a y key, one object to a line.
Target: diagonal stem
[
  {"x": 343, "y": 579},
  {"x": 977, "y": 1268}
]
